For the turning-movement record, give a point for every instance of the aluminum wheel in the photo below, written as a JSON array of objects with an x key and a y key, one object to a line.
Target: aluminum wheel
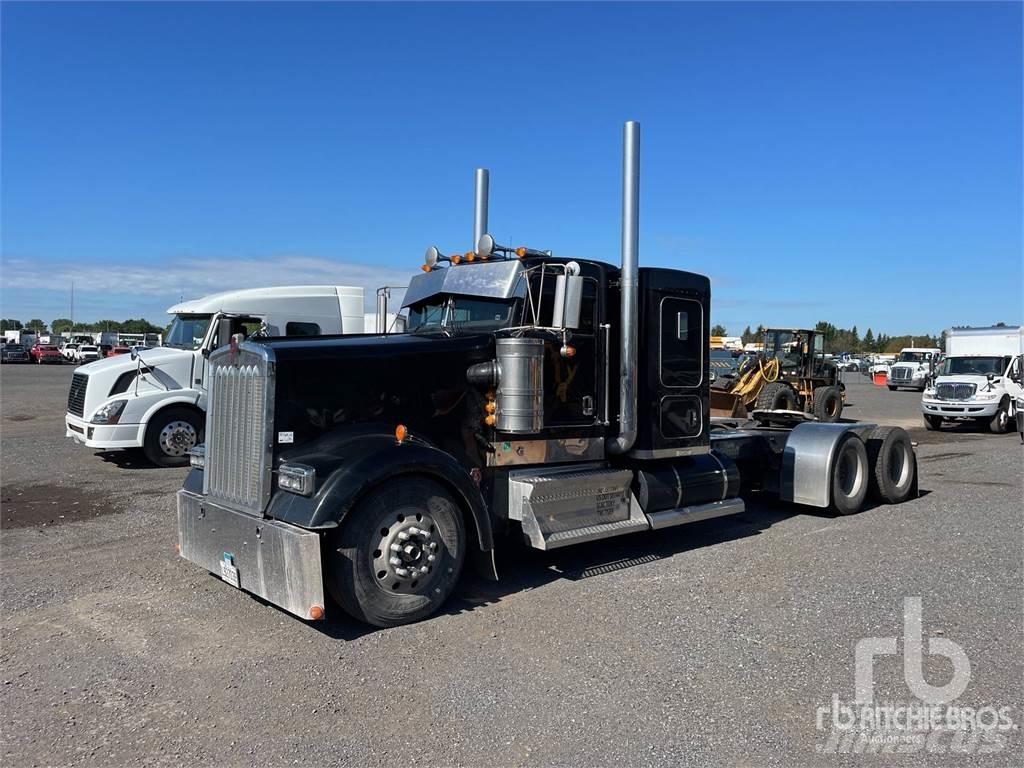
[
  {"x": 405, "y": 554},
  {"x": 177, "y": 437}
]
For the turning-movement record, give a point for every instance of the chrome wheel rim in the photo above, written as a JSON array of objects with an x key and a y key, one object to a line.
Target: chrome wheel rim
[
  {"x": 850, "y": 474},
  {"x": 177, "y": 437},
  {"x": 406, "y": 552},
  {"x": 899, "y": 465}
]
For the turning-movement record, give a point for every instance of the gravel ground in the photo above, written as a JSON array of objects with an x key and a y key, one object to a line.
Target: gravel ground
[{"x": 713, "y": 643}]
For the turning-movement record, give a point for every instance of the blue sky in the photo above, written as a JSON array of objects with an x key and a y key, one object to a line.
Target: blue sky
[{"x": 856, "y": 163}]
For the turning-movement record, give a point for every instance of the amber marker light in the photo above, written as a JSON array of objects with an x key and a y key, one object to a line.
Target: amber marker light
[
  {"x": 520, "y": 252},
  {"x": 490, "y": 407},
  {"x": 490, "y": 420},
  {"x": 470, "y": 256},
  {"x": 401, "y": 433},
  {"x": 425, "y": 267},
  {"x": 456, "y": 259},
  {"x": 316, "y": 612}
]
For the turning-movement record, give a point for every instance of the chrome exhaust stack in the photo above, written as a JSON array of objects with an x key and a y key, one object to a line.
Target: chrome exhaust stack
[
  {"x": 480, "y": 199},
  {"x": 629, "y": 308}
]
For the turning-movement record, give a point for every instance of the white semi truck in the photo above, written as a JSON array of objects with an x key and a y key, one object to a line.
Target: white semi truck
[
  {"x": 979, "y": 380},
  {"x": 912, "y": 368},
  {"x": 155, "y": 399}
]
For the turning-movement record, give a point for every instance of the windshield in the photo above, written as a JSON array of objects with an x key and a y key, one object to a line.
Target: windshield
[
  {"x": 187, "y": 331},
  {"x": 914, "y": 357},
  {"x": 974, "y": 366},
  {"x": 459, "y": 312}
]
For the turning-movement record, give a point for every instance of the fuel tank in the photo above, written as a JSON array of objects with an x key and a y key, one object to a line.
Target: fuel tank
[{"x": 686, "y": 482}]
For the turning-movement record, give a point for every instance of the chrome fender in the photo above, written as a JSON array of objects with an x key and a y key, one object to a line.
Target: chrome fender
[{"x": 807, "y": 461}]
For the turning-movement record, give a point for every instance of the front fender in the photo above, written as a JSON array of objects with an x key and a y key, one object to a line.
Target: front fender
[
  {"x": 358, "y": 465},
  {"x": 141, "y": 408}
]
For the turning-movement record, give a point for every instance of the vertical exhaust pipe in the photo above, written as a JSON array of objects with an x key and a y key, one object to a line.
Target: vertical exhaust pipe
[
  {"x": 483, "y": 180},
  {"x": 383, "y": 294},
  {"x": 629, "y": 312}
]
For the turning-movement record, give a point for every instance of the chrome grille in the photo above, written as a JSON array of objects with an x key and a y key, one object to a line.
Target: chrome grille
[
  {"x": 76, "y": 396},
  {"x": 900, "y": 373},
  {"x": 239, "y": 420},
  {"x": 955, "y": 391}
]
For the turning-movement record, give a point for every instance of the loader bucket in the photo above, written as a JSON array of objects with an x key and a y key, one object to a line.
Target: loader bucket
[{"x": 727, "y": 405}]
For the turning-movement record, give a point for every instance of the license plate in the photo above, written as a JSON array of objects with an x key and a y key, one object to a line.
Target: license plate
[{"x": 228, "y": 571}]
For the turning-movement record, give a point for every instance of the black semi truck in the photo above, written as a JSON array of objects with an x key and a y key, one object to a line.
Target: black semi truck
[{"x": 564, "y": 400}]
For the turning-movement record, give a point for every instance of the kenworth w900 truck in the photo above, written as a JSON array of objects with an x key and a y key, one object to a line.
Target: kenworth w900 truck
[{"x": 564, "y": 400}]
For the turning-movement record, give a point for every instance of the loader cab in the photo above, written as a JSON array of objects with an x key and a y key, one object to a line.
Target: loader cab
[{"x": 799, "y": 351}]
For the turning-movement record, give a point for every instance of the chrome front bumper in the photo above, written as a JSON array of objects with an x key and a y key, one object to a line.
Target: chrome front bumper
[
  {"x": 275, "y": 561},
  {"x": 952, "y": 409}
]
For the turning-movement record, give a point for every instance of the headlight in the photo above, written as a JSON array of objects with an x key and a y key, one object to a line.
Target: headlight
[
  {"x": 297, "y": 478},
  {"x": 986, "y": 396},
  {"x": 197, "y": 456},
  {"x": 109, "y": 413}
]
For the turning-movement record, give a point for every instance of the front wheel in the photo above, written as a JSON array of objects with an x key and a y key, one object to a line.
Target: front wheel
[
  {"x": 171, "y": 434},
  {"x": 398, "y": 554},
  {"x": 1000, "y": 423},
  {"x": 892, "y": 388},
  {"x": 933, "y": 423}
]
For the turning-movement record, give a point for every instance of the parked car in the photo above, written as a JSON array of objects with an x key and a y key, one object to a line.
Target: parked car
[
  {"x": 87, "y": 353},
  {"x": 68, "y": 350},
  {"x": 45, "y": 353},
  {"x": 119, "y": 350},
  {"x": 13, "y": 353}
]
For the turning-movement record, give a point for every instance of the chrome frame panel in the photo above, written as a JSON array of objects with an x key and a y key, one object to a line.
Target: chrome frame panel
[
  {"x": 807, "y": 461},
  {"x": 269, "y": 363},
  {"x": 671, "y": 453},
  {"x": 509, "y": 453},
  {"x": 670, "y": 517}
]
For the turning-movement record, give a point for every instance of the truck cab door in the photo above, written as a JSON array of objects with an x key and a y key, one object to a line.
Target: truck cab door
[
  {"x": 570, "y": 383},
  {"x": 1013, "y": 381}
]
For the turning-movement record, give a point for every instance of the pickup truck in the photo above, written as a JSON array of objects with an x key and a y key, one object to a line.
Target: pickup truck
[{"x": 45, "y": 353}]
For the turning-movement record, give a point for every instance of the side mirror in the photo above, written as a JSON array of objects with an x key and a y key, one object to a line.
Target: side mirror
[
  {"x": 223, "y": 331},
  {"x": 568, "y": 298}
]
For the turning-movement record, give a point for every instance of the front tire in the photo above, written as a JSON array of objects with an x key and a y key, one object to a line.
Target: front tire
[
  {"x": 892, "y": 388},
  {"x": 398, "y": 554},
  {"x": 776, "y": 396},
  {"x": 1000, "y": 423},
  {"x": 933, "y": 423},
  {"x": 170, "y": 435}
]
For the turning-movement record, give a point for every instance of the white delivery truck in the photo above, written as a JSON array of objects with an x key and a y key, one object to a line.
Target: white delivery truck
[
  {"x": 912, "y": 368},
  {"x": 155, "y": 399},
  {"x": 980, "y": 379}
]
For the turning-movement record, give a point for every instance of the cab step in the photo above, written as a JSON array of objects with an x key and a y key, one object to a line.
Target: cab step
[{"x": 557, "y": 507}]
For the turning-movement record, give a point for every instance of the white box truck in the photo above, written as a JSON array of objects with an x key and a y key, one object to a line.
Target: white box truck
[
  {"x": 155, "y": 399},
  {"x": 980, "y": 379}
]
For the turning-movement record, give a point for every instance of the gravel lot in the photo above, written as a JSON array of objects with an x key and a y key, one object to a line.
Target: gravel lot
[{"x": 712, "y": 643}]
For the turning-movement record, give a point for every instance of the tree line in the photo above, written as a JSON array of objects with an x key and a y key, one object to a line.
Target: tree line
[
  {"x": 62, "y": 324},
  {"x": 839, "y": 340}
]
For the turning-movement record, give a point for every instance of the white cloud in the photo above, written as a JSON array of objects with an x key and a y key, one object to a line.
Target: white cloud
[{"x": 142, "y": 286}]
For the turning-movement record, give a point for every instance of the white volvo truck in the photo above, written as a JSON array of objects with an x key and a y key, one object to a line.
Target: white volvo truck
[
  {"x": 912, "y": 368},
  {"x": 980, "y": 379},
  {"x": 155, "y": 399}
]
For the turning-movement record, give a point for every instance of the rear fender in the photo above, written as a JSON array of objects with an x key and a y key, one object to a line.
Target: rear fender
[{"x": 807, "y": 461}]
